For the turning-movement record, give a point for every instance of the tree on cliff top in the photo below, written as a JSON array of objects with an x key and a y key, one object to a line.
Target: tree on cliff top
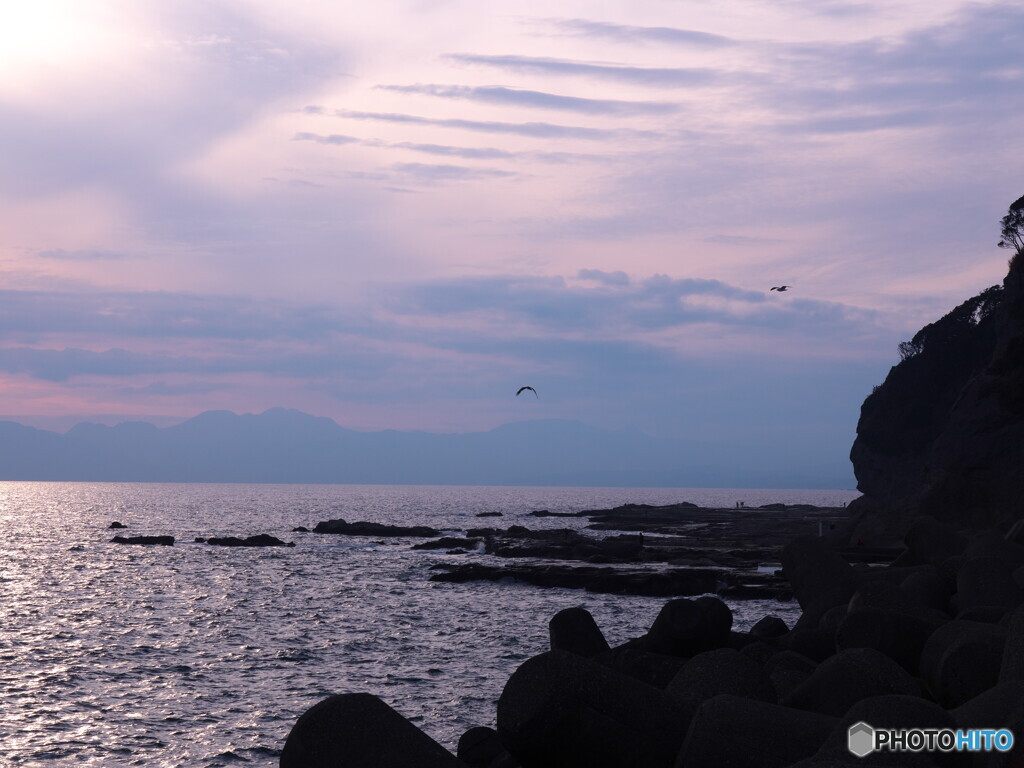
[{"x": 1013, "y": 227}]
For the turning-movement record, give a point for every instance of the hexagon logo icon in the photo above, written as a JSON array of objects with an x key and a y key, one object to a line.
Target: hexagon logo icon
[{"x": 861, "y": 739}]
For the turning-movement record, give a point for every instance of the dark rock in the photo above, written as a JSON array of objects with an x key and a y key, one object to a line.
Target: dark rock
[
  {"x": 559, "y": 710},
  {"x": 987, "y": 614},
  {"x": 789, "y": 660},
  {"x": 945, "y": 432},
  {"x": 687, "y": 627},
  {"x": 987, "y": 581},
  {"x": 683, "y": 581},
  {"x": 717, "y": 622},
  {"x": 165, "y": 541},
  {"x": 574, "y": 630},
  {"x": 1012, "y": 666},
  {"x": 1016, "y": 533},
  {"x": 989, "y": 708},
  {"x": 900, "y": 636},
  {"x": 849, "y": 676},
  {"x": 785, "y": 681},
  {"x": 361, "y": 731},
  {"x": 373, "y": 529},
  {"x": 737, "y": 732},
  {"x": 447, "y": 542},
  {"x": 817, "y": 643},
  {"x": 259, "y": 540},
  {"x": 115, "y": 525},
  {"x": 926, "y": 589},
  {"x": 990, "y": 544},
  {"x": 479, "y": 747},
  {"x": 546, "y": 513},
  {"x": 654, "y": 669},
  {"x": 933, "y": 542},
  {"x": 877, "y": 593},
  {"x": 820, "y": 578},
  {"x": 769, "y": 627},
  {"x": 490, "y": 514},
  {"x": 300, "y": 529},
  {"x": 720, "y": 671},
  {"x": 889, "y": 711},
  {"x": 960, "y": 660}
]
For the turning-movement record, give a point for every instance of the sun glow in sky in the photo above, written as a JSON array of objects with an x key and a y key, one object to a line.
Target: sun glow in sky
[{"x": 397, "y": 216}]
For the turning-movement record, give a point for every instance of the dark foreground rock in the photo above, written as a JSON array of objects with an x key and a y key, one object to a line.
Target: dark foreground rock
[
  {"x": 888, "y": 646},
  {"x": 165, "y": 541},
  {"x": 259, "y": 540},
  {"x": 363, "y": 528},
  {"x": 357, "y": 730}
]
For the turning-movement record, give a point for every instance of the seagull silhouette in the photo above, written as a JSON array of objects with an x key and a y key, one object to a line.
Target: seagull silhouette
[
  {"x": 523, "y": 389},
  {"x": 779, "y": 288}
]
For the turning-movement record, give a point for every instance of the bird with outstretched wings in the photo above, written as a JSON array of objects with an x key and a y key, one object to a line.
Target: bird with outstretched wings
[
  {"x": 524, "y": 389},
  {"x": 779, "y": 288}
]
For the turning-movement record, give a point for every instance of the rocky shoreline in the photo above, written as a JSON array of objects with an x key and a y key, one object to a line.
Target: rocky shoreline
[{"x": 932, "y": 640}]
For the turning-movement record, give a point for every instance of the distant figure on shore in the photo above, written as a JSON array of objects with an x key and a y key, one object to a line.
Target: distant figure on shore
[
  {"x": 523, "y": 389},
  {"x": 779, "y": 288}
]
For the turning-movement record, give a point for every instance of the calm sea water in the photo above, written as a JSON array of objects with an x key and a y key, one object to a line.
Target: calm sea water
[{"x": 204, "y": 656}]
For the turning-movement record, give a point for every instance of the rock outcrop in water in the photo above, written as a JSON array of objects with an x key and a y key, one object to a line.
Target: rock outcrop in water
[{"x": 944, "y": 434}]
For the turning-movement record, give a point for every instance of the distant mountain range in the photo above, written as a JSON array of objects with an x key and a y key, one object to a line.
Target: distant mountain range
[{"x": 288, "y": 446}]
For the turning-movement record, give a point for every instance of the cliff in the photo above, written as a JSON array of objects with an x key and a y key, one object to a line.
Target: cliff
[{"x": 944, "y": 434}]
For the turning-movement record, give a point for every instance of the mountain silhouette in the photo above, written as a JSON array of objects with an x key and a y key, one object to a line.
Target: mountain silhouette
[{"x": 288, "y": 446}]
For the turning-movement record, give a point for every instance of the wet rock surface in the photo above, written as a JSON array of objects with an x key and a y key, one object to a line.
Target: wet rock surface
[
  {"x": 363, "y": 528},
  {"x": 165, "y": 541},
  {"x": 679, "y": 549}
]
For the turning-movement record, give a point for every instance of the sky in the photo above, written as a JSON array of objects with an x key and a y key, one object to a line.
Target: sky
[{"x": 396, "y": 214}]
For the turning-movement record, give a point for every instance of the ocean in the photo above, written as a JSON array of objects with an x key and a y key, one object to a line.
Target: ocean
[{"x": 202, "y": 656}]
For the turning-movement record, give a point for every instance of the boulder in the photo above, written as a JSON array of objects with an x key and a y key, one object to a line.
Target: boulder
[
  {"x": 819, "y": 577},
  {"x": 739, "y": 732},
  {"x": 574, "y": 630},
  {"x": 720, "y": 671},
  {"x": 479, "y": 747},
  {"x": 960, "y": 660},
  {"x": 889, "y": 711},
  {"x": 358, "y": 730},
  {"x": 851, "y": 675},
  {"x": 900, "y": 636},
  {"x": 769, "y": 627},
  {"x": 654, "y": 669},
  {"x": 559, "y": 710}
]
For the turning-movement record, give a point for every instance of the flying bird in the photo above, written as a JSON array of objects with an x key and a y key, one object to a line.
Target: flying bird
[
  {"x": 523, "y": 389},
  {"x": 779, "y": 288}
]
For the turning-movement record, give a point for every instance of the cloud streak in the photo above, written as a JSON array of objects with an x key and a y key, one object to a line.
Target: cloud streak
[
  {"x": 535, "y": 130},
  {"x": 659, "y": 77},
  {"x": 517, "y": 97}
]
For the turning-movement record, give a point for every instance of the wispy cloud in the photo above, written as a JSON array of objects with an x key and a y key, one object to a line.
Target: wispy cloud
[
  {"x": 534, "y": 130},
  {"x": 661, "y": 77},
  {"x": 633, "y": 34},
  {"x": 334, "y": 138},
  {"x": 428, "y": 173},
  {"x": 517, "y": 97}
]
